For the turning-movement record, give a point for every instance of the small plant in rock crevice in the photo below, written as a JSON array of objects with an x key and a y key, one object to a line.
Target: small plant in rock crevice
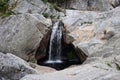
[
  {"x": 86, "y": 22},
  {"x": 46, "y": 15},
  {"x": 109, "y": 64},
  {"x": 117, "y": 66},
  {"x": 4, "y": 8}
]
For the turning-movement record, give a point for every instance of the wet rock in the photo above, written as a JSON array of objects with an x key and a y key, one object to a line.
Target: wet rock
[{"x": 13, "y": 68}]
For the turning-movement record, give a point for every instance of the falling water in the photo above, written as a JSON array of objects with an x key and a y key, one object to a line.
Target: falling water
[
  {"x": 59, "y": 56},
  {"x": 55, "y": 44}
]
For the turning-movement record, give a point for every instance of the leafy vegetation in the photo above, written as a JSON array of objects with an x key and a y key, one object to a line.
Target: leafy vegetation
[
  {"x": 46, "y": 15},
  {"x": 58, "y": 5},
  {"x": 4, "y": 8},
  {"x": 52, "y": 6},
  {"x": 109, "y": 64},
  {"x": 117, "y": 66},
  {"x": 88, "y": 22}
]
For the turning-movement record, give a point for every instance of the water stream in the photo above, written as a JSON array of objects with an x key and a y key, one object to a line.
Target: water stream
[{"x": 55, "y": 47}]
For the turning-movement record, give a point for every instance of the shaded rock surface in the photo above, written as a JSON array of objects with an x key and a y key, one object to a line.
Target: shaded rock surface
[
  {"x": 13, "y": 68},
  {"x": 41, "y": 51}
]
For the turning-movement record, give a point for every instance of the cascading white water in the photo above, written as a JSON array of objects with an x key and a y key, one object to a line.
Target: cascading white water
[
  {"x": 59, "y": 56},
  {"x": 55, "y": 44}
]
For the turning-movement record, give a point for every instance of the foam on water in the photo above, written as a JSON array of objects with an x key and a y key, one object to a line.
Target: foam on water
[{"x": 51, "y": 61}]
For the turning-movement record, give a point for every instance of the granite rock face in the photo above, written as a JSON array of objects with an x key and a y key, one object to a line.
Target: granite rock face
[
  {"x": 21, "y": 34},
  {"x": 13, "y": 68},
  {"x": 90, "y": 30},
  {"x": 32, "y": 7}
]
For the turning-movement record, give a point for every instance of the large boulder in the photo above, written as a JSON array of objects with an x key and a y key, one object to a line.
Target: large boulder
[
  {"x": 13, "y": 68},
  {"x": 93, "y": 71},
  {"x": 90, "y": 29},
  {"x": 21, "y": 34},
  {"x": 80, "y": 29},
  {"x": 27, "y": 6}
]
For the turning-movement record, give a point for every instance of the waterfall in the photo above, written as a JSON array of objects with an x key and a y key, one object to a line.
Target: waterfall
[
  {"x": 55, "y": 44},
  {"x": 60, "y": 55}
]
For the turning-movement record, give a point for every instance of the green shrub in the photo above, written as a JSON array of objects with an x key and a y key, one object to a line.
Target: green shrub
[
  {"x": 88, "y": 22},
  {"x": 52, "y": 6},
  {"x": 46, "y": 15},
  {"x": 45, "y": 1},
  {"x": 109, "y": 64},
  {"x": 117, "y": 66},
  {"x": 4, "y": 8}
]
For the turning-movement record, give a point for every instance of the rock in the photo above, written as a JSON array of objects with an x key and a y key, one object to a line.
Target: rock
[
  {"x": 42, "y": 69},
  {"x": 92, "y": 5},
  {"x": 91, "y": 30},
  {"x": 94, "y": 71},
  {"x": 27, "y": 6},
  {"x": 114, "y": 3},
  {"x": 43, "y": 46},
  {"x": 13, "y": 68},
  {"x": 95, "y": 34},
  {"x": 32, "y": 7},
  {"x": 113, "y": 61},
  {"x": 76, "y": 18},
  {"x": 32, "y": 77},
  {"x": 21, "y": 34},
  {"x": 111, "y": 46},
  {"x": 81, "y": 29}
]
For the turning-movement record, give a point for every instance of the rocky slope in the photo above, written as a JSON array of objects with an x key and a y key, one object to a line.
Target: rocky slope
[{"x": 95, "y": 33}]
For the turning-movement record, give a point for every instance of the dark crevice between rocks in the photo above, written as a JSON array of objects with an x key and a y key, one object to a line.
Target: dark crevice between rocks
[{"x": 70, "y": 54}]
